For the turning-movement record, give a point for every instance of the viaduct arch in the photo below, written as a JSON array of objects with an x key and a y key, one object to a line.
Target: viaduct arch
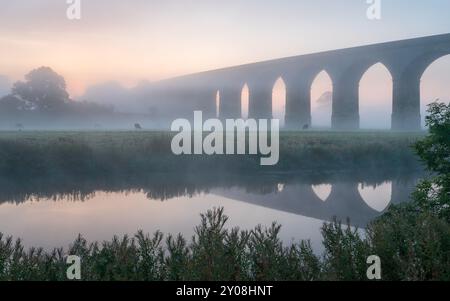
[{"x": 406, "y": 60}]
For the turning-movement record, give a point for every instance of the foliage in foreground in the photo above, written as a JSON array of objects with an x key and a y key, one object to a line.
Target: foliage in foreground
[
  {"x": 433, "y": 195},
  {"x": 411, "y": 247}
]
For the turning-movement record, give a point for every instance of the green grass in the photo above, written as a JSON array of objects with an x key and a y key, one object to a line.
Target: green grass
[{"x": 96, "y": 154}]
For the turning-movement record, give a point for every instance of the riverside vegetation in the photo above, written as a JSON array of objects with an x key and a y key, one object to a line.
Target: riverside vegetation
[
  {"x": 412, "y": 240},
  {"x": 26, "y": 155}
]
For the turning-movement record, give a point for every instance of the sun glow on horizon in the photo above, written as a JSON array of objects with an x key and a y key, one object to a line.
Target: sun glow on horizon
[{"x": 152, "y": 40}]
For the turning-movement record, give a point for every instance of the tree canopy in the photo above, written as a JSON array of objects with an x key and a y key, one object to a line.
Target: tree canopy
[
  {"x": 434, "y": 150},
  {"x": 43, "y": 92},
  {"x": 43, "y": 89}
]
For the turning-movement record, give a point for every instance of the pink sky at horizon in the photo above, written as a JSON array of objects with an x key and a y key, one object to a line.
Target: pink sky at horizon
[{"x": 149, "y": 40}]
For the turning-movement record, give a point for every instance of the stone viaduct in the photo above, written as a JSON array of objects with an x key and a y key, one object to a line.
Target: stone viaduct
[{"x": 406, "y": 61}]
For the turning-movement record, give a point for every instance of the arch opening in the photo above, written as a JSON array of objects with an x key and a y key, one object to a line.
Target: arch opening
[
  {"x": 245, "y": 101},
  {"x": 435, "y": 85},
  {"x": 375, "y": 98},
  {"x": 279, "y": 101},
  {"x": 321, "y": 100}
]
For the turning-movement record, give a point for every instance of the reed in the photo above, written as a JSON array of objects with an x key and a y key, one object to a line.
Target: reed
[{"x": 401, "y": 239}]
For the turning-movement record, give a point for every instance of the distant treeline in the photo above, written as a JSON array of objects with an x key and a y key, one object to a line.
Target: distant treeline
[{"x": 42, "y": 99}]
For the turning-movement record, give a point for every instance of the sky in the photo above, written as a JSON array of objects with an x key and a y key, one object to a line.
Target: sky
[{"x": 147, "y": 40}]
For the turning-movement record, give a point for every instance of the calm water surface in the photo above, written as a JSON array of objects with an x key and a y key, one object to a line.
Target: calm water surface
[{"x": 48, "y": 219}]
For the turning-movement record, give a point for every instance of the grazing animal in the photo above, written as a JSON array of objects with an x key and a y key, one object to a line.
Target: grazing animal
[
  {"x": 137, "y": 126},
  {"x": 306, "y": 127}
]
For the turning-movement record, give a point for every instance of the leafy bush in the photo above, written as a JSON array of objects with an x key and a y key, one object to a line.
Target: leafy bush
[
  {"x": 412, "y": 247},
  {"x": 433, "y": 195}
]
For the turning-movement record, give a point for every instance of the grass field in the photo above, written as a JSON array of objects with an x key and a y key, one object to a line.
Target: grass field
[{"x": 25, "y": 154}]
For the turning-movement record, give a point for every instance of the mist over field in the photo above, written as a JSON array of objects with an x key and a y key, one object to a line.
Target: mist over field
[
  {"x": 4, "y": 85},
  {"x": 95, "y": 184}
]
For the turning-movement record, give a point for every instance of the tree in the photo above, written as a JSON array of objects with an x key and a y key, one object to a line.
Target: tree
[
  {"x": 10, "y": 104},
  {"x": 43, "y": 88},
  {"x": 434, "y": 194}
]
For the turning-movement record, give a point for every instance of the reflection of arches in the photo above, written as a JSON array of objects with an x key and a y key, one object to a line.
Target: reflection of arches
[
  {"x": 346, "y": 202},
  {"x": 435, "y": 84},
  {"x": 375, "y": 97},
  {"x": 322, "y": 191},
  {"x": 279, "y": 100},
  {"x": 245, "y": 98},
  {"x": 321, "y": 100},
  {"x": 343, "y": 202},
  {"x": 218, "y": 104},
  {"x": 377, "y": 197}
]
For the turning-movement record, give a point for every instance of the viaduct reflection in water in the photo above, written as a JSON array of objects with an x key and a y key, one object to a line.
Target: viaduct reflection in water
[
  {"x": 296, "y": 194},
  {"x": 344, "y": 201}
]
